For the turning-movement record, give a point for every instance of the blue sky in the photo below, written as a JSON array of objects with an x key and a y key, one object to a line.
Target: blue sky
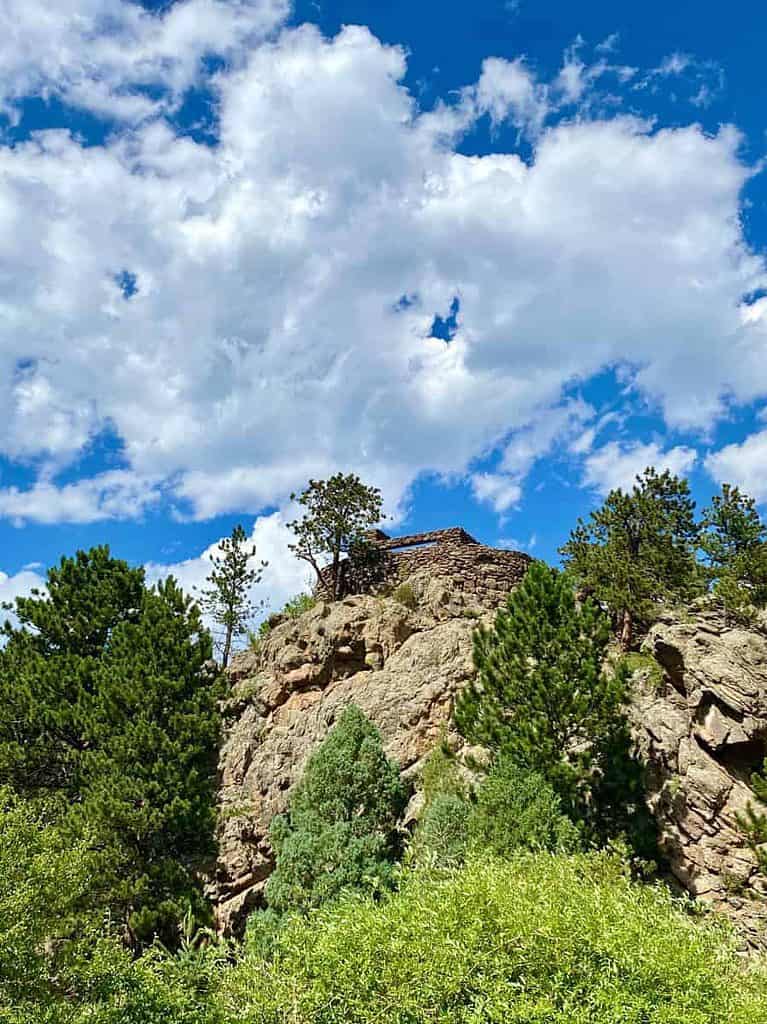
[{"x": 495, "y": 257}]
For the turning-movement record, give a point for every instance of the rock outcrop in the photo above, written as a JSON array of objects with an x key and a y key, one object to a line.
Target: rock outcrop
[
  {"x": 402, "y": 666},
  {"x": 699, "y": 715},
  {"x": 701, "y": 726}
]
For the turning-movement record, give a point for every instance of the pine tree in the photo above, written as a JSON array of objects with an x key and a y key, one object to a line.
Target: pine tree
[
  {"x": 637, "y": 552},
  {"x": 734, "y": 547},
  {"x": 108, "y": 712},
  {"x": 754, "y": 821},
  {"x": 227, "y": 598},
  {"x": 542, "y": 698},
  {"x": 338, "y": 513},
  {"x": 48, "y": 665},
  {"x": 341, "y": 829}
]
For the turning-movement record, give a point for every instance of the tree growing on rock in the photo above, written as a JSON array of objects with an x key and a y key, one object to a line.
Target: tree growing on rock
[
  {"x": 637, "y": 552},
  {"x": 544, "y": 701},
  {"x": 338, "y": 513},
  {"x": 227, "y": 597},
  {"x": 108, "y": 716},
  {"x": 734, "y": 546},
  {"x": 754, "y": 821},
  {"x": 341, "y": 828}
]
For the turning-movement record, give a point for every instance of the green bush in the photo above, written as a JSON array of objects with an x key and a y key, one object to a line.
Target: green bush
[
  {"x": 544, "y": 939},
  {"x": 57, "y": 969},
  {"x": 405, "y": 595},
  {"x": 440, "y": 773},
  {"x": 298, "y": 605},
  {"x": 291, "y": 609},
  {"x": 341, "y": 829},
  {"x": 518, "y": 809},
  {"x": 442, "y": 836}
]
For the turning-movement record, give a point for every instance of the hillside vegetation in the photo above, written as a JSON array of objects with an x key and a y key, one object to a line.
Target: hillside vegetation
[{"x": 528, "y": 889}]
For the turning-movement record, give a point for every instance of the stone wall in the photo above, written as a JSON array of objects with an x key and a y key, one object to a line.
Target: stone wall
[{"x": 474, "y": 568}]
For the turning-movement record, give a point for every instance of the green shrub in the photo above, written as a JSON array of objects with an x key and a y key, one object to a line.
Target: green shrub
[
  {"x": 440, "y": 774},
  {"x": 442, "y": 836},
  {"x": 635, "y": 661},
  {"x": 298, "y": 605},
  {"x": 341, "y": 829},
  {"x": 518, "y": 809},
  {"x": 56, "y": 968},
  {"x": 405, "y": 595},
  {"x": 544, "y": 939},
  {"x": 291, "y": 610}
]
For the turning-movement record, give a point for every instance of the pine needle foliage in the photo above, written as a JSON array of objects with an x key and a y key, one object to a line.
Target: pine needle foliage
[
  {"x": 754, "y": 821},
  {"x": 734, "y": 546},
  {"x": 545, "y": 702},
  {"x": 637, "y": 552},
  {"x": 337, "y": 514},
  {"x": 341, "y": 829},
  {"x": 108, "y": 713},
  {"x": 227, "y": 599}
]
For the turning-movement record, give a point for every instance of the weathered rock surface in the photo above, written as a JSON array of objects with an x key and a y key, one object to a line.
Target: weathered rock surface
[
  {"x": 702, "y": 733},
  {"x": 401, "y": 666},
  {"x": 701, "y": 726}
]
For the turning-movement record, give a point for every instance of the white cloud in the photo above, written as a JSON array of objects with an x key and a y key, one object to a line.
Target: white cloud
[
  {"x": 266, "y": 341},
  {"x": 284, "y": 577},
  {"x": 617, "y": 466},
  {"x": 499, "y": 489},
  {"x": 116, "y": 494},
  {"x": 111, "y": 56},
  {"x": 508, "y": 90},
  {"x": 21, "y": 584},
  {"x": 554, "y": 428},
  {"x": 744, "y": 465},
  {"x": 609, "y": 44}
]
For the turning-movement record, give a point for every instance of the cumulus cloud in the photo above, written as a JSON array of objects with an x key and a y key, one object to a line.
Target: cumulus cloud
[
  {"x": 284, "y": 577},
  {"x": 617, "y": 466},
  {"x": 20, "y": 584},
  {"x": 116, "y": 58},
  {"x": 744, "y": 465},
  {"x": 499, "y": 489},
  {"x": 285, "y": 281},
  {"x": 117, "y": 494},
  {"x": 558, "y": 428}
]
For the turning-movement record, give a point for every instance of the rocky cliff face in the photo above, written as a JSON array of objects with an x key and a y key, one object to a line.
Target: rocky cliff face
[
  {"x": 402, "y": 666},
  {"x": 700, "y": 724},
  {"x": 701, "y": 729}
]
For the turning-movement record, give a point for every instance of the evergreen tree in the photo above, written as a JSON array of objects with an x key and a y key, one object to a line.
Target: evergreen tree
[
  {"x": 48, "y": 688},
  {"x": 227, "y": 598},
  {"x": 637, "y": 552},
  {"x": 341, "y": 829},
  {"x": 734, "y": 547},
  {"x": 338, "y": 513},
  {"x": 108, "y": 712},
  {"x": 754, "y": 821},
  {"x": 518, "y": 809},
  {"x": 542, "y": 698}
]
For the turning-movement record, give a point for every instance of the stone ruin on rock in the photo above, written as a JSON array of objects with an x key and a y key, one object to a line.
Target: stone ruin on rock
[{"x": 488, "y": 572}]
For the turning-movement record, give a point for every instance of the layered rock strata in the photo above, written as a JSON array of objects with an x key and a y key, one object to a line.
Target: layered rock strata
[{"x": 701, "y": 725}]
